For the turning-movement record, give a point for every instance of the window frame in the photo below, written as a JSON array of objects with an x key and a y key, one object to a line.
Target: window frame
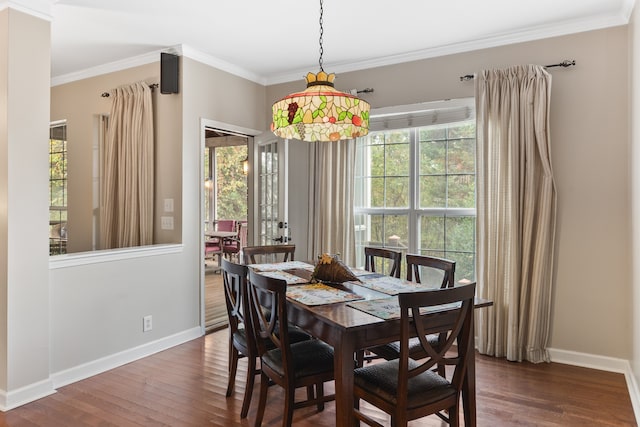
[
  {"x": 402, "y": 118},
  {"x": 58, "y": 244}
]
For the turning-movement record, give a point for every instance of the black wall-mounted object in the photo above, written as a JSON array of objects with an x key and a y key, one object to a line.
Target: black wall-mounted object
[{"x": 169, "y": 68}]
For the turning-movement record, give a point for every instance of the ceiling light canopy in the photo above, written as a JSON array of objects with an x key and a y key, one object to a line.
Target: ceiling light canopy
[{"x": 320, "y": 112}]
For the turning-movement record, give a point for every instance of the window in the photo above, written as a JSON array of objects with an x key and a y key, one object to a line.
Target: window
[
  {"x": 415, "y": 185},
  {"x": 58, "y": 188}
]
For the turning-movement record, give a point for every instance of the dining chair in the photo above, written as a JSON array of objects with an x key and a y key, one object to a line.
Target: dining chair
[
  {"x": 232, "y": 246},
  {"x": 385, "y": 256},
  {"x": 241, "y": 336},
  {"x": 212, "y": 248},
  {"x": 242, "y": 340},
  {"x": 408, "y": 389},
  {"x": 440, "y": 273},
  {"x": 226, "y": 225},
  {"x": 432, "y": 268},
  {"x": 268, "y": 253},
  {"x": 289, "y": 365}
]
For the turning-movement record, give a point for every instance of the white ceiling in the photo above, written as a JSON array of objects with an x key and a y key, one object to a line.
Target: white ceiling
[{"x": 276, "y": 41}]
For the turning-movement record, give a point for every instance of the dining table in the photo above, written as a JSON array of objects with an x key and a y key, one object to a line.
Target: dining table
[
  {"x": 348, "y": 329},
  {"x": 215, "y": 234}
]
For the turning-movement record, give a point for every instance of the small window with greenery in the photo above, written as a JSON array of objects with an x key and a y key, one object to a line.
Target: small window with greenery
[
  {"x": 58, "y": 188},
  {"x": 415, "y": 186},
  {"x": 225, "y": 186}
]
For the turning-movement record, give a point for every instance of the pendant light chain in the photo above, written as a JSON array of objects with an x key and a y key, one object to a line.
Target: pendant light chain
[
  {"x": 320, "y": 112},
  {"x": 321, "y": 33}
]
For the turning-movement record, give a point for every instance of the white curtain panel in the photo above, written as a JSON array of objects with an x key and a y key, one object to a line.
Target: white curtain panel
[
  {"x": 126, "y": 193},
  {"x": 516, "y": 217},
  {"x": 331, "y": 188}
]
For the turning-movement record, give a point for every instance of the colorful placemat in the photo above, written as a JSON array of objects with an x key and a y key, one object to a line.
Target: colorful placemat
[
  {"x": 279, "y": 266},
  {"x": 319, "y": 294},
  {"x": 389, "y": 308},
  {"x": 390, "y": 285},
  {"x": 384, "y": 308},
  {"x": 291, "y": 279},
  {"x": 360, "y": 272}
]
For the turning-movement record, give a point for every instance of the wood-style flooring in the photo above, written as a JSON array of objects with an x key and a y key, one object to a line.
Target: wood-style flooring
[
  {"x": 215, "y": 316},
  {"x": 185, "y": 386}
]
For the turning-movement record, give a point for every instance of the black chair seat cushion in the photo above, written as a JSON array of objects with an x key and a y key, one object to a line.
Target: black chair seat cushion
[
  {"x": 381, "y": 379},
  {"x": 309, "y": 358},
  {"x": 392, "y": 350},
  {"x": 295, "y": 335}
]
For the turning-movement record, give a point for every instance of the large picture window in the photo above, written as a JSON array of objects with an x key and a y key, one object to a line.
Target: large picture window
[{"x": 415, "y": 186}]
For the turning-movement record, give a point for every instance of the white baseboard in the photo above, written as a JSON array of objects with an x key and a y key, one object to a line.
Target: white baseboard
[
  {"x": 602, "y": 363},
  {"x": 21, "y": 396},
  {"x": 26, "y": 394},
  {"x": 104, "y": 364}
]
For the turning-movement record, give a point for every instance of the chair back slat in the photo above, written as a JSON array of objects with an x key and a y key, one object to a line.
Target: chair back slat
[
  {"x": 234, "y": 279},
  {"x": 268, "y": 302},
  {"x": 446, "y": 266},
  {"x": 268, "y": 253},
  {"x": 371, "y": 254}
]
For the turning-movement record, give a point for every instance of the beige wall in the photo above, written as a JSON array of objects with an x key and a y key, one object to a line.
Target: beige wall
[
  {"x": 590, "y": 153},
  {"x": 634, "y": 67},
  {"x": 24, "y": 288},
  {"x": 116, "y": 291},
  {"x": 214, "y": 95},
  {"x": 79, "y": 103}
]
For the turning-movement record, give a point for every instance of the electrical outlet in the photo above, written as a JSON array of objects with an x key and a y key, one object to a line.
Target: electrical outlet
[
  {"x": 147, "y": 323},
  {"x": 166, "y": 222}
]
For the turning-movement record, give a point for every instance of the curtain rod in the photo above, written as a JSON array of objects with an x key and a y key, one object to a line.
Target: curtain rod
[
  {"x": 151, "y": 85},
  {"x": 566, "y": 63}
]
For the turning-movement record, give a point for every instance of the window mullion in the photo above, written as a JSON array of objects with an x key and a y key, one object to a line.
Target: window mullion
[{"x": 414, "y": 170}]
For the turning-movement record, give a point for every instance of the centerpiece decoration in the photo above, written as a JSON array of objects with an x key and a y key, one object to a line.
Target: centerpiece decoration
[{"x": 330, "y": 269}]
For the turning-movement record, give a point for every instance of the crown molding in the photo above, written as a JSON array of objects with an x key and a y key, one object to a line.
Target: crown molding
[
  {"x": 621, "y": 17},
  {"x": 111, "y": 67},
  {"x": 220, "y": 64},
  {"x": 37, "y": 8},
  {"x": 151, "y": 57},
  {"x": 499, "y": 39}
]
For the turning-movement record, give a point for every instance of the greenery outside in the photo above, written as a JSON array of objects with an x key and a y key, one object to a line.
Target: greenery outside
[
  {"x": 228, "y": 186},
  {"x": 57, "y": 189},
  {"x": 437, "y": 165}
]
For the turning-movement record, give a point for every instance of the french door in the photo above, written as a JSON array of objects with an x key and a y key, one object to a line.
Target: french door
[{"x": 271, "y": 160}]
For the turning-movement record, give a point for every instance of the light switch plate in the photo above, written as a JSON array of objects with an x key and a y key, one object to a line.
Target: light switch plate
[{"x": 168, "y": 205}]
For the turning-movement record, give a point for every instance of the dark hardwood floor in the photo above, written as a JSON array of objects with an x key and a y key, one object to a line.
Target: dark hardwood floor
[{"x": 185, "y": 386}]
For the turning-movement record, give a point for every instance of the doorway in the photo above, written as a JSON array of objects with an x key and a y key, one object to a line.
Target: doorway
[{"x": 225, "y": 205}]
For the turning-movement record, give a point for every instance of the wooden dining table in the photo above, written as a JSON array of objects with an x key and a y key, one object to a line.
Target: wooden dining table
[{"x": 348, "y": 329}]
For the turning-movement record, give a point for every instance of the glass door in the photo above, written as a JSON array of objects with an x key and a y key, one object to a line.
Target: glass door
[{"x": 272, "y": 192}]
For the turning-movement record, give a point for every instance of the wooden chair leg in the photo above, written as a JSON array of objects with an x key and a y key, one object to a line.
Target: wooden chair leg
[
  {"x": 310, "y": 395},
  {"x": 233, "y": 367},
  {"x": 248, "y": 391},
  {"x": 264, "y": 387},
  {"x": 320, "y": 396},
  {"x": 287, "y": 416},
  {"x": 454, "y": 416}
]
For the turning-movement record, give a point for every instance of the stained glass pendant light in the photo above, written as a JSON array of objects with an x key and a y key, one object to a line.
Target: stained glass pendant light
[{"x": 320, "y": 112}]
